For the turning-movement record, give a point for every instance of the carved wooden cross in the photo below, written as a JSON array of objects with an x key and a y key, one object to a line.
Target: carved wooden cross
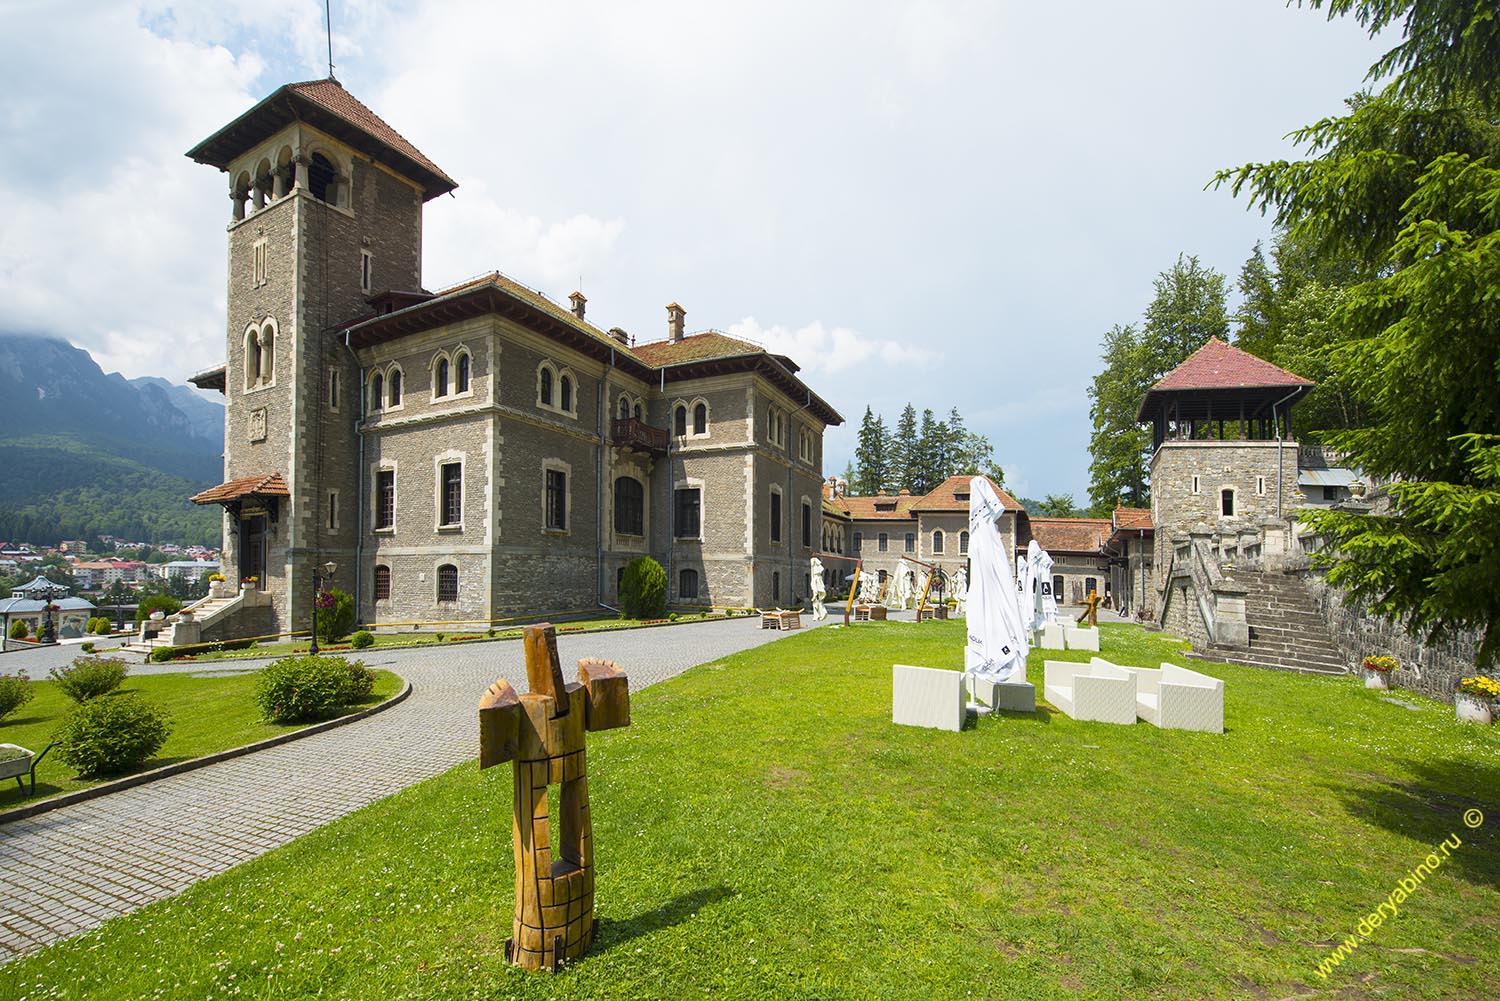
[
  {"x": 1092, "y": 607},
  {"x": 542, "y": 732}
]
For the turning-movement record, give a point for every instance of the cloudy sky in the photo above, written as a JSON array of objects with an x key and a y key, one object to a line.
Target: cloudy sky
[{"x": 940, "y": 202}]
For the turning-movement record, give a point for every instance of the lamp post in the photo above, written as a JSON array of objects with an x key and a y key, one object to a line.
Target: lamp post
[
  {"x": 49, "y": 627},
  {"x": 326, "y": 570}
]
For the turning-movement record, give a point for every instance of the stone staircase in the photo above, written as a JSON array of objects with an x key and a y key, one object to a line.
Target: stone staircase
[
  {"x": 206, "y": 610},
  {"x": 1287, "y": 632}
]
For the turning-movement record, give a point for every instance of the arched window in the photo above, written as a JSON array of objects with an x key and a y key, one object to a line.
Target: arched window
[
  {"x": 700, "y": 419},
  {"x": 565, "y": 393},
  {"x": 267, "y": 353},
  {"x": 440, "y": 378},
  {"x": 377, "y": 392},
  {"x": 447, "y": 582},
  {"x": 252, "y": 358},
  {"x": 323, "y": 179},
  {"x": 636, "y": 413},
  {"x": 630, "y": 506},
  {"x": 382, "y": 583},
  {"x": 687, "y": 585},
  {"x": 679, "y": 420},
  {"x": 806, "y": 525},
  {"x": 937, "y": 542},
  {"x": 963, "y": 542},
  {"x": 624, "y": 407},
  {"x": 394, "y": 385},
  {"x": 461, "y": 380},
  {"x": 545, "y": 392}
]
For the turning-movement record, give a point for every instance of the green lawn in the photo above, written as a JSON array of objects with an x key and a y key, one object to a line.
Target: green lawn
[
  {"x": 415, "y": 638},
  {"x": 208, "y": 715},
  {"x": 764, "y": 831}
]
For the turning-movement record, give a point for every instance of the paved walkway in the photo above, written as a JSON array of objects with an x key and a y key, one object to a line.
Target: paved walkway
[{"x": 69, "y": 870}]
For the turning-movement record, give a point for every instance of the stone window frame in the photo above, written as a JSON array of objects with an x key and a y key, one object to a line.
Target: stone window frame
[
  {"x": 857, "y": 543},
  {"x": 384, "y": 466},
  {"x": 682, "y": 578},
  {"x": 909, "y": 543},
  {"x": 395, "y": 387},
  {"x": 776, "y": 422},
  {"x": 343, "y": 179},
  {"x": 555, "y": 464},
  {"x": 334, "y": 389},
  {"x": 449, "y": 457},
  {"x": 806, "y": 526},
  {"x": 690, "y": 483},
  {"x": 437, "y": 581},
  {"x": 679, "y": 418},
  {"x": 805, "y": 449},
  {"x": 439, "y": 357},
  {"x": 463, "y": 359},
  {"x": 614, "y": 519},
  {"x": 776, "y": 515},
  {"x": 963, "y": 542},
  {"x": 375, "y": 584},
  {"x": 259, "y": 263},
  {"x": 366, "y": 271},
  {"x": 559, "y": 373},
  {"x": 332, "y": 523},
  {"x": 1234, "y": 500},
  {"x": 883, "y": 542},
  {"x": 374, "y": 390},
  {"x": 708, "y": 418},
  {"x": 1260, "y": 486},
  {"x": 1196, "y": 485},
  {"x": 939, "y": 542},
  {"x": 256, "y": 333},
  {"x": 634, "y": 407}
]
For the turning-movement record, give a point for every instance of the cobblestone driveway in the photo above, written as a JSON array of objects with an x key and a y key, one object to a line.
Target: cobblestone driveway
[{"x": 69, "y": 870}]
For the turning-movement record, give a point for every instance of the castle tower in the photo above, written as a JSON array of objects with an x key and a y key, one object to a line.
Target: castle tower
[
  {"x": 326, "y": 214},
  {"x": 1222, "y": 453}
]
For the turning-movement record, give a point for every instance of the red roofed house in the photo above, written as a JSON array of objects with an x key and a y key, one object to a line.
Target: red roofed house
[{"x": 480, "y": 451}]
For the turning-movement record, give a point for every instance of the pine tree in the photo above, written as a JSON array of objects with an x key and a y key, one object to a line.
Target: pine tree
[
  {"x": 904, "y": 455},
  {"x": 871, "y": 456},
  {"x": 932, "y": 448}
]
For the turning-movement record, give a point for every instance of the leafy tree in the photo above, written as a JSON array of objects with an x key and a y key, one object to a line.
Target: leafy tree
[
  {"x": 903, "y": 455},
  {"x": 1120, "y": 447},
  {"x": 1057, "y": 506},
  {"x": 1405, "y": 179},
  {"x": 871, "y": 456}
]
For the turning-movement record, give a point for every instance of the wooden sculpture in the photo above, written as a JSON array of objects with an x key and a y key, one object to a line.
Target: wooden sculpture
[{"x": 542, "y": 732}]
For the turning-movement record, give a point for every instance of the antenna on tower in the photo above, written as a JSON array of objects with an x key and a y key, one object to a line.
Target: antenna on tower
[{"x": 328, "y": 22}]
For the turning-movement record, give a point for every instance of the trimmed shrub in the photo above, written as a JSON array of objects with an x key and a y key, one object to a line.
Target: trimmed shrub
[
  {"x": 162, "y": 654},
  {"x": 106, "y": 736},
  {"x": 157, "y": 603},
  {"x": 337, "y": 619},
  {"x": 90, "y": 677},
  {"x": 15, "y": 692},
  {"x": 301, "y": 689},
  {"x": 643, "y": 589},
  {"x": 86, "y": 647},
  {"x": 102, "y": 626},
  {"x": 362, "y": 639},
  {"x": 440, "y": 637},
  {"x": 18, "y": 630}
]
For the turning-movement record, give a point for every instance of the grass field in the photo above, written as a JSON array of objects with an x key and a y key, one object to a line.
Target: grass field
[
  {"x": 208, "y": 715},
  {"x": 764, "y": 831}
]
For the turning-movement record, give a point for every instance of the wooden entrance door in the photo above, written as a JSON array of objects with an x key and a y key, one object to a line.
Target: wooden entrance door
[{"x": 253, "y": 549}]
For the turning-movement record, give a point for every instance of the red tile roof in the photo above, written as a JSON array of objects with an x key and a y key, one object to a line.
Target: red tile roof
[
  {"x": 331, "y": 96},
  {"x": 695, "y": 347},
  {"x": 1071, "y": 535},
  {"x": 870, "y": 508},
  {"x": 264, "y": 486},
  {"x": 1131, "y": 518},
  {"x": 953, "y": 495},
  {"x": 1218, "y": 365}
]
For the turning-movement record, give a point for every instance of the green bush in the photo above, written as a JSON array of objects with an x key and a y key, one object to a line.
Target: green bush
[
  {"x": 18, "y": 629},
  {"x": 106, "y": 736},
  {"x": 90, "y": 677},
  {"x": 15, "y": 692},
  {"x": 672, "y": 617},
  {"x": 335, "y": 623},
  {"x": 157, "y": 603},
  {"x": 102, "y": 626},
  {"x": 87, "y": 647},
  {"x": 162, "y": 654},
  {"x": 643, "y": 589},
  {"x": 300, "y": 689},
  {"x": 440, "y": 637},
  {"x": 362, "y": 639}
]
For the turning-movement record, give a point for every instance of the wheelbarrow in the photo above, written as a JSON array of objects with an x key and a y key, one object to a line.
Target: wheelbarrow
[{"x": 16, "y": 761}]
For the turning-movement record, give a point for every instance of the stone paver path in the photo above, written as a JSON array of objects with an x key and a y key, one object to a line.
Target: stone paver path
[{"x": 68, "y": 870}]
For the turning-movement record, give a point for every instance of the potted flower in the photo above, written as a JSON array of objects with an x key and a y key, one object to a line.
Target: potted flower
[
  {"x": 248, "y": 583},
  {"x": 218, "y": 587},
  {"x": 1474, "y": 698},
  {"x": 1377, "y": 671}
]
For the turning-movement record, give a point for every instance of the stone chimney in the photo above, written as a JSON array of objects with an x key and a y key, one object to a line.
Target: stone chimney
[
  {"x": 619, "y": 335},
  {"x": 676, "y": 317},
  {"x": 578, "y": 301}
]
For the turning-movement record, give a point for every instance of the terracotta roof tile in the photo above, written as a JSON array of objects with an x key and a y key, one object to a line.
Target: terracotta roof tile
[
  {"x": 886, "y": 507},
  {"x": 1071, "y": 535},
  {"x": 953, "y": 495},
  {"x": 333, "y": 98},
  {"x": 1131, "y": 518},
  {"x": 696, "y": 347},
  {"x": 1218, "y": 365},
  {"x": 264, "y": 486}
]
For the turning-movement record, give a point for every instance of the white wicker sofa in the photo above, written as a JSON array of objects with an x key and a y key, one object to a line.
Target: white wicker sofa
[
  {"x": 1097, "y": 691},
  {"x": 1174, "y": 698}
]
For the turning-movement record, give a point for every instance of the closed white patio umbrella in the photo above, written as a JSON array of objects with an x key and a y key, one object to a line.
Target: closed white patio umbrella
[{"x": 997, "y": 639}]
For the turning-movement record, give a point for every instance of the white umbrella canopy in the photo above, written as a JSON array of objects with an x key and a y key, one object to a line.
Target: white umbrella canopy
[
  {"x": 997, "y": 639},
  {"x": 1041, "y": 572},
  {"x": 1025, "y": 600}
]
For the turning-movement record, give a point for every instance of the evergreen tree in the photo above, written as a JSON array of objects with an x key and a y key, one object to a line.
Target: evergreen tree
[
  {"x": 904, "y": 454},
  {"x": 871, "y": 456},
  {"x": 932, "y": 452},
  {"x": 1057, "y": 506}
]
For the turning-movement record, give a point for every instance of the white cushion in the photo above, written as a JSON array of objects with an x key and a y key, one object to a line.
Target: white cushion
[{"x": 925, "y": 696}]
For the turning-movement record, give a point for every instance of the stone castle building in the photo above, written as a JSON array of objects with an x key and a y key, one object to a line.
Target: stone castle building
[{"x": 481, "y": 451}]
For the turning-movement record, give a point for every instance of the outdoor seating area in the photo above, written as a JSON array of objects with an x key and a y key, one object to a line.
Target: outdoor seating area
[
  {"x": 779, "y": 618},
  {"x": 926, "y": 696},
  {"x": 1097, "y": 691},
  {"x": 1175, "y": 698}
]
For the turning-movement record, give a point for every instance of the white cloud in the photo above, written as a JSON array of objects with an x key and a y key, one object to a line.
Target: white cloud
[{"x": 829, "y": 350}]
